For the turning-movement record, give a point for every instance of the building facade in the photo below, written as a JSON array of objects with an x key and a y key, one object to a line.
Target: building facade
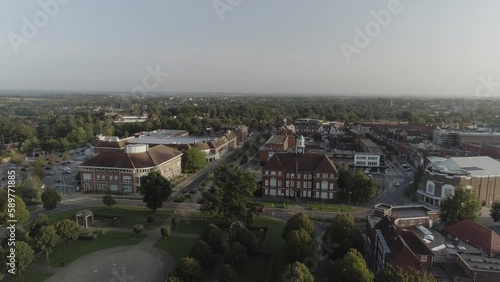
[
  {"x": 120, "y": 171},
  {"x": 299, "y": 175}
]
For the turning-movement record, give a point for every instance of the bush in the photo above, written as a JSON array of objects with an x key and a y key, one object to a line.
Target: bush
[
  {"x": 165, "y": 231},
  {"x": 138, "y": 228},
  {"x": 237, "y": 256},
  {"x": 87, "y": 237},
  {"x": 247, "y": 239},
  {"x": 175, "y": 221},
  {"x": 201, "y": 252},
  {"x": 212, "y": 235},
  {"x": 151, "y": 219},
  {"x": 229, "y": 274}
]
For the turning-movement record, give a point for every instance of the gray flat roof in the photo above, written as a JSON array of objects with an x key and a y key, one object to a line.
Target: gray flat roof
[
  {"x": 165, "y": 140},
  {"x": 476, "y": 166},
  {"x": 480, "y": 263}
]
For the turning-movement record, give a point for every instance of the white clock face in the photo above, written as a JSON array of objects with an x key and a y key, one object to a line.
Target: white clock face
[{"x": 299, "y": 150}]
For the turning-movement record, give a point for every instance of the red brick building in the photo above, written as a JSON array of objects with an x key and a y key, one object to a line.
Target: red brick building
[
  {"x": 300, "y": 175},
  {"x": 276, "y": 143},
  {"x": 120, "y": 171}
]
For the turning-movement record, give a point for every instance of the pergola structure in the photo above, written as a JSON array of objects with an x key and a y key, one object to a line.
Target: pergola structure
[{"x": 82, "y": 218}]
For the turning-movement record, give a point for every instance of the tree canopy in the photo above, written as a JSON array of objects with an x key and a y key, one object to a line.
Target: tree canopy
[
  {"x": 298, "y": 246},
  {"x": 495, "y": 211},
  {"x": 156, "y": 189},
  {"x": 350, "y": 268},
  {"x": 341, "y": 236},
  {"x": 297, "y": 272},
  {"x": 21, "y": 213},
  {"x": 68, "y": 230},
  {"x": 193, "y": 159},
  {"x": 230, "y": 196},
  {"x": 397, "y": 274},
  {"x": 462, "y": 205},
  {"x": 188, "y": 270},
  {"x": 50, "y": 199},
  {"x": 296, "y": 222}
]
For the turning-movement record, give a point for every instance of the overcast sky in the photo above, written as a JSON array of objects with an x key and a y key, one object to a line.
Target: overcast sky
[{"x": 426, "y": 47}]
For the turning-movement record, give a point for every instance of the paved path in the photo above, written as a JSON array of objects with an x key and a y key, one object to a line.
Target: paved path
[{"x": 142, "y": 262}]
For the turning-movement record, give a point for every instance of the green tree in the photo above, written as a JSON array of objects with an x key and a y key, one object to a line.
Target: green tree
[
  {"x": 296, "y": 222},
  {"x": 50, "y": 199},
  {"x": 298, "y": 246},
  {"x": 24, "y": 255},
  {"x": 237, "y": 256},
  {"x": 229, "y": 274},
  {"x": 20, "y": 213},
  {"x": 246, "y": 238},
  {"x": 230, "y": 196},
  {"x": 341, "y": 236},
  {"x": 462, "y": 205},
  {"x": 363, "y": 187},
  {"x": 31, "y": 189},
  {"x": 297, "y": 272},
  {"x": 156, "y": 189},
  {"x": 108, "y": 200},
  {"x": 212, "y": 235},
  {"x": 350, "y": 268},
  {"x": 193, "y": 159},
  {"x": 397, "y": 274},
  {"x": 66, "y": 156},
  {"x": 344, "y": 181},
  {"x": 46, "y": 240},
  {"x": 495, "y": 211},
  {"x": 201, "y": 252},
  {"x": 188, "y": 270},
  {"x": 317, "y": 136},
  {"x": 174, "y": 279},
  {"x": 38, "y": 222},
  {"x": 68, "y": 230}
]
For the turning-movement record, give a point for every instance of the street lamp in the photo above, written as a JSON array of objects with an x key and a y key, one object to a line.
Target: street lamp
[{"x": 350, "y": 197}]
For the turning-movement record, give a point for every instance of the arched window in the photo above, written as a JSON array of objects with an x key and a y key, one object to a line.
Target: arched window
[
  {"x": 310, "y": 176},
  {"x": 324, "y": 185},
  {"x": 293, "y": 175},
  {"x": 288, "y": 175},
  {"x": 272, "y": 183}
]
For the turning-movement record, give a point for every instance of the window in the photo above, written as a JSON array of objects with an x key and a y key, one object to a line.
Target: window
[
  {"x": 292, "y": 183},
  {"x": 317, "y": 185},
  {"x": 317, "y": 174},
  {"x": 273, "y": 172},
  {"x": 266, "y": 172},
  {"x": 310, "y": 176},
  {"x": 325, "y": 175},
  {"x": 279, "y": 172},
  {"x": 113, "y": 188},
  {"x": 298, "y": 184},
  {"x": 273, "y": 182},
  {"x": 288, "y": 175},
  {"x": 127, "y": 179},
  {"x": 423, "y": 258},
  {"x": 287, "y": 184},
  {"x": 324, "y": 185},
  {"x": 298, "y": 175},
  {"x": 309, "y": 185},
  {"x": 332, "y": 175},
  {"x": 331, "y": 186},
  {"x": 266, "y": 182},
  {"x": 279, "y": 183},
  {"x": 87, "y": 177},
  {"x": 430, "y": 187},
  {"x": 98, "y": 177},
  {"x": 412, "y": 221}
]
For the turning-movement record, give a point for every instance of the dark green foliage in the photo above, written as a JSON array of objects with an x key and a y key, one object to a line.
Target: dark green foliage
[
  {"x": 237, "y": 256},
  {"x": 202, "y": 253},
  {"x": 391, "y": 274},
  {"x": 192, "y": 160},
  {"x": 212, "y": 235},
  {"x": 50, "y": 199},
  {"x": 188, "y": 270},
  {"x": 350, "y": 268},
  {"x": 156, "y": 189},
  {"x": 296, "y": 272},
  {"x": 246, "y": 238},
  {"x": 463, "y": 205},
  {"x": 229, "y": 274},
  {"x": 108, "y": 200},
  {"x": 230, "y": 196},
  {"x": 37, "y": 223},
  {"x": 341, "y": 236},
  {"x": 299, "y": 220},
  {"x": 298, "y": 246},
  {"x": 495, "y": 211}
]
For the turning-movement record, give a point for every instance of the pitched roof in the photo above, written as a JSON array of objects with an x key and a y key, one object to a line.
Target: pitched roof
[
  {"x": 305, "y": 162},
  {"x": 401, "y": 254},
  {"x": 476, "y": 235},
  {"x": 119, "y": 159}
]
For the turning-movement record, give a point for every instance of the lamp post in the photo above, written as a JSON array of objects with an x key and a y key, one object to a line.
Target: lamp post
[
  {"x": 350, "y": 198},
  {"x": 164, "y": 274}
]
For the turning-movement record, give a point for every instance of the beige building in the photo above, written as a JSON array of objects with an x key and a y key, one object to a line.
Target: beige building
[{"x": 120, "y": 171}]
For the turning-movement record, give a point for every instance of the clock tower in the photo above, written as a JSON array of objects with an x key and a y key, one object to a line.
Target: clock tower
[{"x": 300, "y": 145}]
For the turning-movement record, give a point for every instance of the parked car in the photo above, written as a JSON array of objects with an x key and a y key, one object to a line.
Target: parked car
[
  {"x": 49, "y": 173},
  {"x": 48, "y": 168},
  {"x": 396, "y": 184},
  {"x": 66, "y": 172}
]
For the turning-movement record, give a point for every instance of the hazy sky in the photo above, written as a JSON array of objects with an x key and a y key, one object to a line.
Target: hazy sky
[{"x": 285, "y": 46}]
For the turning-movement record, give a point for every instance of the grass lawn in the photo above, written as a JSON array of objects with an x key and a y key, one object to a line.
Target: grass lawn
[
  {"x": 79, "y": 248},
  {"x": 177, "y": 247},
  {"x": 194, "y": 223},
  {"x": 129, "y": 215},
  {"x": 274, "y": 204},
  {"x": 273, "y": 243},
  {"x": 329, "y": 207},
  {"x": 27, "y": 277}
]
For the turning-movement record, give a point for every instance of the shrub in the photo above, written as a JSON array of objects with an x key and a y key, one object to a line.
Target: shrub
[
  {"x": 165, "y": 231},
  {"x": 175, "y": 221},
  {"x": 138, "y": 228}
]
